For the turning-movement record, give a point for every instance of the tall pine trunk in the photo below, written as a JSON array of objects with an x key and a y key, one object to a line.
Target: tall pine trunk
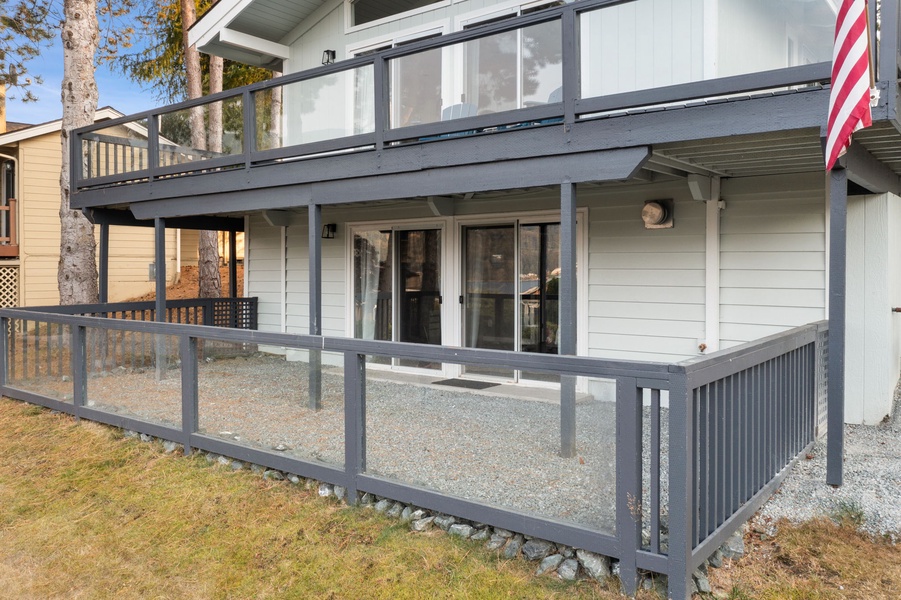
[
  {"x": 77, "y": 270},
  {"x": 208, "y": 242}
]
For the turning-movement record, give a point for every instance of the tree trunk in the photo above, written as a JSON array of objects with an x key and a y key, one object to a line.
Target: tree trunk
[
  {"x": 208, "y": 242},
  {"x": 77, "y": 270}
]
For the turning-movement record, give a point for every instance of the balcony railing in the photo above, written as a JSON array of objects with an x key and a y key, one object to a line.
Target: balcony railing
[{"x": 551, "y": 67}]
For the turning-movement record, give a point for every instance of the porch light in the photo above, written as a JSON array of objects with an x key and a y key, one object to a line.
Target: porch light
[
  {"x": 657, "y": 214},
  {"x": 328, "y": 231},
  {"x": 328, "y": 56}
]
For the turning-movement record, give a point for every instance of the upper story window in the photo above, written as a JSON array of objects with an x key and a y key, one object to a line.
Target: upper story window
[{"x": 367, "y": 11}]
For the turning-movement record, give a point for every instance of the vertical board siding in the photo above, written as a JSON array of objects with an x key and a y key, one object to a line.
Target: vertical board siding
[
  {"x": 645, "y": 287},
  {"x": 772, "y": 251},
  {"x": 871, "y": 355}
]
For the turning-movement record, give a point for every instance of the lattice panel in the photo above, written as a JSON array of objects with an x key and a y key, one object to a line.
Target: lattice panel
[{"x": 9, "y": 287}]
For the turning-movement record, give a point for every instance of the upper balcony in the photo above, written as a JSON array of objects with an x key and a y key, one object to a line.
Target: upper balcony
[{"x": 563, "y": 68}]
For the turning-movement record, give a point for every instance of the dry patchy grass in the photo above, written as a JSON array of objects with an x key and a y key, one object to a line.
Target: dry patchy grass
[
  {"x": 85, "y": 513},
  {"x": 816, "y": 560}
]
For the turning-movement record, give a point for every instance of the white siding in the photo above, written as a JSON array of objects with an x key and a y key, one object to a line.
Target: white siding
[
  {"x": 772, "y": 256},
  {"x": 872, "y": 347},
  {"x": 333, "y": 281},
  {"x": 645, "y": 287},
  {"x": 264, "y": 272}
]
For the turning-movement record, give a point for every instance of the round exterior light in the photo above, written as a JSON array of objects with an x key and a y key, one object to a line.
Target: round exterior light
[{"x": 653, "y": 213}]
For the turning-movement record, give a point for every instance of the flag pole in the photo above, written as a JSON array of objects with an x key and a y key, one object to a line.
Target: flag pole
[{"x": 870, "y": 48}]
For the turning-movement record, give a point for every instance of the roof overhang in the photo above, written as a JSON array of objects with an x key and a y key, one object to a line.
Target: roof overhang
[{"x": 254, "y": 32}]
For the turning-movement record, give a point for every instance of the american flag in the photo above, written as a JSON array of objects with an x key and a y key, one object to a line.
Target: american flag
[{"x": 849, "y": 100}]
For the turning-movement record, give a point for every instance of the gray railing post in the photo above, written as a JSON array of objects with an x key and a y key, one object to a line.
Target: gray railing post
[
  {"x": 5, "y": 332},
  {"x": 315, "y": 303},
  {"x": 249, "y": 114},
  {"x": 571, "y": 65},
  {"x": 681, "y": 484},
  {"x": 79, "y": 367},
  {"x": 628, "y": 479},
  {"x": 190, "y": 421},
  {"x": 354, "y": 421},
  {"x": 380, "y": 81}
]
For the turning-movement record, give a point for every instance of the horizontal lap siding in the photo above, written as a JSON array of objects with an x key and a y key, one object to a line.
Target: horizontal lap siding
[
  {"x": 333, "y": 281},
  {"x": 772, "y": 253},
  {"x": 264, "y": 272},
  {"x": 645, "y": 287}
]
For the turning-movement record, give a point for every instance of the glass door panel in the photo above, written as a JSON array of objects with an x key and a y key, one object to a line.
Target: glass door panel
[
  {"x": 373, "y": 287},
  {"x": 419, "y": 290},
  {"x": 539, "y": 277},
  {"x": 489, "y": 292}
]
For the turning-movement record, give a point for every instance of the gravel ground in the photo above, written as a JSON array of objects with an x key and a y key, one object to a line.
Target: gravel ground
[
  {"x": 494, "y": 449},
  {"x": 871, "y": 482}
]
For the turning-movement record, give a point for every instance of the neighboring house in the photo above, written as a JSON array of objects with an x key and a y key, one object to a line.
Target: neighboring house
[{"x": 30, "y": 166}]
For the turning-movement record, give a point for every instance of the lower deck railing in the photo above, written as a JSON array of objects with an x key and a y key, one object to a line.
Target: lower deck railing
[{"x": 662, "y": 475}]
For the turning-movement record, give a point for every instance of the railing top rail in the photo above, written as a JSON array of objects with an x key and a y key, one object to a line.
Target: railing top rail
[{"x": 557, "y": 364}]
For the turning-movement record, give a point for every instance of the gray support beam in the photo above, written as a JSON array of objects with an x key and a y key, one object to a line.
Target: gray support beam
[
  {"x": 104, "y": 264},
  {"x": 159, "y": 225},
  {"x": 838, "y": 220},
  {"x": 567, "y": 325},
  {"x": 869, "y": 172},
  {"x": 233, "y": 265},
  {"x": 315, "y": 234}
]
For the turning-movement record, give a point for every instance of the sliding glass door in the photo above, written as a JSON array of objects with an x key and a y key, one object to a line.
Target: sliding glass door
[
  {"x": 511, "y": 276},
  {"x": 397, "y": 288}
]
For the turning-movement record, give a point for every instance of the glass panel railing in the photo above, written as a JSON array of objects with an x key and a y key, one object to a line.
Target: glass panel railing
[
  {"x": 496, "y": 73},
  {"x": 115, "y": 150},
  {"x": 648, "y": 44},
  {"x": 323, "y": 108},
  {"x": 38, "y": 358},
  {"x": 221, "y": 132}
]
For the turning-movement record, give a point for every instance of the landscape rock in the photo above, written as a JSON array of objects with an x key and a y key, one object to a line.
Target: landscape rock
[
  {"x": 716, "y": 559},
  {"x": 340, "y": 492},
  {"x": 514, "y": 545},
  {"x": 396, "y": 510},
  {"x": 294, "y": 479},
  {"x": 566, "y": 551},
  {"x": 481, "y": 535},
  {"x": 549, "y": 563},
  {"x": 367, "y": 499},
  {"x": 503, "y": 532},
  {"x": 237, "y": 465},
  {"x": 460, "y": 530},
  {"x": 445, "y": 521},
  {"x": 537, "y": 549},
  {"x": 495, "y": 542},
  {"x": 383, "y": 505},
  {"x": 422, "y": 524},
  {"x": 273, "y": 475},
  {"x": 701, "y": 582},
  {"x": 325, "y": 490},
  {"x": 170, "y": 447},
  {"x": 224, "y": 461},
  {"x": 734, "y": 547},
  {"x": 418, "y": 514},
  {"x": 568, "y": 570},
  {"x": 596, "y": 565},
  {"x": 258, "y": 469},
  {"x": 146, "y": 438}
]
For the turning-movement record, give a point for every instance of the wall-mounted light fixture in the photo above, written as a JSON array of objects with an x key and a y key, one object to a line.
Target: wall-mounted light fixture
[
  {"x": 328, "y": 56},
  {"x": 328, "y": 231},
  {"x": 657, "y": 214}
]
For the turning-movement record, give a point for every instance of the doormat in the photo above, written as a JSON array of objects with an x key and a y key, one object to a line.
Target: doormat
[{"x": 469, "y": 384}]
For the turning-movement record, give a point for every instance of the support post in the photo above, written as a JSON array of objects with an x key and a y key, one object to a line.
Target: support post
[
  {"x": 838, "y": 220},
  {"x": 103, "y": 286},
  {"x": 355, "y": 421},
  {"x": 315, "y": 269},
  {"x": 566, "y": 328},
  {"x": 159, "y": 226},
  {"x": 233, "y": 264}
]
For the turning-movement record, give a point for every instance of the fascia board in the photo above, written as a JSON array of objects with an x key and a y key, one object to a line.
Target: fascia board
[
  {"x": 253, "y": 44},
  {"x": 218, "y": 18},
  {"x": 34, "y": 131}
]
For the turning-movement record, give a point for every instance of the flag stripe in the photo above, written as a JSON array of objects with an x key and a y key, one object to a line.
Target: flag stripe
[{"x": 849, "y": 98}]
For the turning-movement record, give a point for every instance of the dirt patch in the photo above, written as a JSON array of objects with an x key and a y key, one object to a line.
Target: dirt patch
[{"x": 188, "y": 285}]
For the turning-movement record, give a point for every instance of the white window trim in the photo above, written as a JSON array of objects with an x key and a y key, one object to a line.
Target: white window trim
[
  {"x": 349, "y": 28},
  {"x": 398, "y": 37},
  {"x": 513, "y": 7}
]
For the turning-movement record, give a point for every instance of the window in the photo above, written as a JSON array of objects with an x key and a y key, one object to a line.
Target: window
[{"x": 367, "y": 11}]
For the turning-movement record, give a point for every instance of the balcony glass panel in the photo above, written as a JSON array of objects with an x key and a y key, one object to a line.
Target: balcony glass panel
[
  {"x": 323, "y": 108},
  {"x": 652, "y": 43},
  {"x": 193, "y": 134},
  {"x": 115, "y": 150},
  {"x": 500, "y": 72},
  {"x": 38, "y": 358}
]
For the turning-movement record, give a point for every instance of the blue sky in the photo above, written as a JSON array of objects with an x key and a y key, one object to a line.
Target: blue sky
[{"x": 115, "y": 90}]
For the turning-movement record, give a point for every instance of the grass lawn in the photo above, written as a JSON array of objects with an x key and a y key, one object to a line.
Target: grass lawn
[{"x": 87, "y": 513}]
